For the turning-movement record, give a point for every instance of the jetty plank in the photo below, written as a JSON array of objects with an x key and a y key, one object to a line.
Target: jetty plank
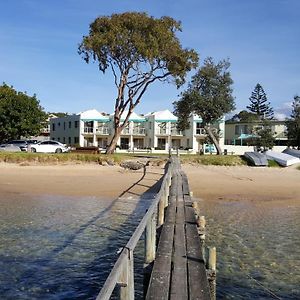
[
  {"x": 179, "y": 269},
  {"x": 160, "y": 277},
  {"x": 179, "y": 289}
]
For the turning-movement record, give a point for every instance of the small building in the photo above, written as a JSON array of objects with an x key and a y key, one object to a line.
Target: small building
[{"x": 240, "y": 133}]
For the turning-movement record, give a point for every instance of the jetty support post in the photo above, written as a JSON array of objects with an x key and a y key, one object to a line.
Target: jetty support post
[
  {"x": 150, "y": 250},
  {"x": 212, "y": 271},
  {"x": 161, "y": 211},
  {"x": 127, "y": 277}
]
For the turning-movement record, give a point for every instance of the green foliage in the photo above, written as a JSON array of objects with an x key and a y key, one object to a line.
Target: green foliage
[
  {"x": 139, "y": 50},
  {"x": 259, "y": 104},
  {"x": 265, "y": 139},
  {"x": 245, "y": 116},
  {"x": 20, "y": 114},
  {"x": 293, "y": 124},
  {"x": 209, "y": 95}
]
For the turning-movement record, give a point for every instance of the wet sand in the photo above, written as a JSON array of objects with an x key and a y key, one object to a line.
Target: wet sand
[
  {"x": 75, "y": 180},
  {"x": 244, "y": 183}
]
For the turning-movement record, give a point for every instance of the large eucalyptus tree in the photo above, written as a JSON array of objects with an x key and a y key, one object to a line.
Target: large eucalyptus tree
[{"x": 139, "y": 50}]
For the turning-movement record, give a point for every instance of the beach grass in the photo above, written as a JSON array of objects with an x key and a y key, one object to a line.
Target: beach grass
[
  {"x": 216, "y": 160},
  {"x": 24, "y": 157},
  {"x": 273, "y": 164}
]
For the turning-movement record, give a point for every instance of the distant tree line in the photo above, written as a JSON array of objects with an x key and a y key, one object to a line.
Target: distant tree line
[{"x": 20, "y": 115}]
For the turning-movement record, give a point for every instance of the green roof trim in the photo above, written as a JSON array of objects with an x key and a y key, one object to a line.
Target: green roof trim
[{"x": 162, "y": 121}]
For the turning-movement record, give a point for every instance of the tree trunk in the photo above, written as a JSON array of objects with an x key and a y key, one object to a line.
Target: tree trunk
[
  {"x": 112, "y": 146},
  {"x": 213, "y": 138}
]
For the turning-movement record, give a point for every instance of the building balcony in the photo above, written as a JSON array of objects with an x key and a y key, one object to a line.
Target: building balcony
[
  {"x": 88, "y": 130},
  {"x": 102, "y": 131},
  {"x": 175, "y": 132},
  {"x": 139, "y": 131},
  {"x": 126, "y": 131},
  {"x": 200, "y": 131},
  {"x": 162, "y": 131}
]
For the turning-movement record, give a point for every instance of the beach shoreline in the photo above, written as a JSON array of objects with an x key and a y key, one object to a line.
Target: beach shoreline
[
  {"x": 75, "y": 179},
  {"x": 234, "y": 183},
  {"x": 238, "y": 183}
]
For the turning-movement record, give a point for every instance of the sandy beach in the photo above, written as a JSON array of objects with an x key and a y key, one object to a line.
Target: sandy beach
[
  {"x": 243, "y": 182},
  {"x": 76, "y": 180},
  {"x": 206, "y": 182}
]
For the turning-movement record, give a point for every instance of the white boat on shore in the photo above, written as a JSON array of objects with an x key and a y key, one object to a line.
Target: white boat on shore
[
  {"x": 283, "y": 159},
  {"x": 293, "y": 152}
]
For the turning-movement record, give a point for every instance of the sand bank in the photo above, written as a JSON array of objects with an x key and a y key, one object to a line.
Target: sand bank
[
  {"x": 75, "y": 180},
  {"x": 243, "y": 182}
]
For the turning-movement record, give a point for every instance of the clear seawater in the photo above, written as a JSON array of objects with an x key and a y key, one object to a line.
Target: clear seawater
[
  {"x": 258, "y": 247},
  {"x": 55, "y": 247}
]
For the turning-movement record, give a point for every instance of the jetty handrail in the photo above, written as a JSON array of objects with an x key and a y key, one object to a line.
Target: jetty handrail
[{"x": 122, "y": 273}]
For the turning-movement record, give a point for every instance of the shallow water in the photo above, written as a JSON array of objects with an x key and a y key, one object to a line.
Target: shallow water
[
  {"x": 258, "y": 248},
  {"x": 62, "y": 247}
]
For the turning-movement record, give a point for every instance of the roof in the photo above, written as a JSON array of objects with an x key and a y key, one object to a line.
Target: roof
[
  {"x": 93, "y": 115},
  {"x": 134, "y": 117},
  {"x": 163, "y": 115}
]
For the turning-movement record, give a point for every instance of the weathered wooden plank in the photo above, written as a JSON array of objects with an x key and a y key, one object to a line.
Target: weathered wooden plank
[
  {"x": 185, "y": 184},
  {"x": 190, "y": 215},
  {"x": 197, "y": 280},
  {"x": 160, "y": 278},
  {"x": 179, "y": 289}
]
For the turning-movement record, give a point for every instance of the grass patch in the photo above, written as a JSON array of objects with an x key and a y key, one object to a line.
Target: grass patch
[
  {"x": 45, "y": 158},
  {"x": 298, "y": 168},
  {"x": 64, "y": 158},
  {"x": 273, "y": 164},
  {"x": 215, "y": 160}
]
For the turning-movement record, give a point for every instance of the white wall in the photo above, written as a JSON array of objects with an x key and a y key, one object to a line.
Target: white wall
[{"x": 240, "y": 150}]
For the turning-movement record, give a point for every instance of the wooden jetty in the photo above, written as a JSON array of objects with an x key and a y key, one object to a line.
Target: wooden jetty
[{"x": 175, "y": 266}]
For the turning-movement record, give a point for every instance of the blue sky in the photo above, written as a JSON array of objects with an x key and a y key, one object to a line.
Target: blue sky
[{"x": 39, "y": 41}]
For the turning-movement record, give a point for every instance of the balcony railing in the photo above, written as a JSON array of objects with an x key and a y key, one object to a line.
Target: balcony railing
[
  {"x": 161, "y": 131},
  {"x": 102, "y": 130},
  {"x": 88, "y": 129},
  {"x": 126, "y": 131},
  {"x": 139, "y": 131},
  {"x": 200, "y": 131},
  {"x": 175, "y": 131}
]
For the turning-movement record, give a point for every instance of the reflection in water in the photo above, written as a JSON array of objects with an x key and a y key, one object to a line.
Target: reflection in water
[
  {"x": 258, "y": 246},
  {"x": 62, "y": 247}
]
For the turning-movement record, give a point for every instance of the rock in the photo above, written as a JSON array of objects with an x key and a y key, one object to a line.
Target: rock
[{"x": 132, "y": 165}]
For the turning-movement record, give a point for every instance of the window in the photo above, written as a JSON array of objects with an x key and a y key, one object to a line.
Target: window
[
  {"x": 240, "y": 129},
  {"x": 64, "y": 139},
  {"x": 69, "y": 140},
  {"x": 64, "y": 125},
  {"x": 53, "y": 127},
  {"x": 76, "y": 140},
  {"x": 58, "y": 124},
  {"x": 70, "y": 124},
  {"x": 58, "y": 139},
  {"x": 76, "y": 124},
  {"x": 161, "y": 144}
]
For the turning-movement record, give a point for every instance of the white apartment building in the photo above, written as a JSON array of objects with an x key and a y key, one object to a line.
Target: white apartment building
[{"x": 155, "y": 131}]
